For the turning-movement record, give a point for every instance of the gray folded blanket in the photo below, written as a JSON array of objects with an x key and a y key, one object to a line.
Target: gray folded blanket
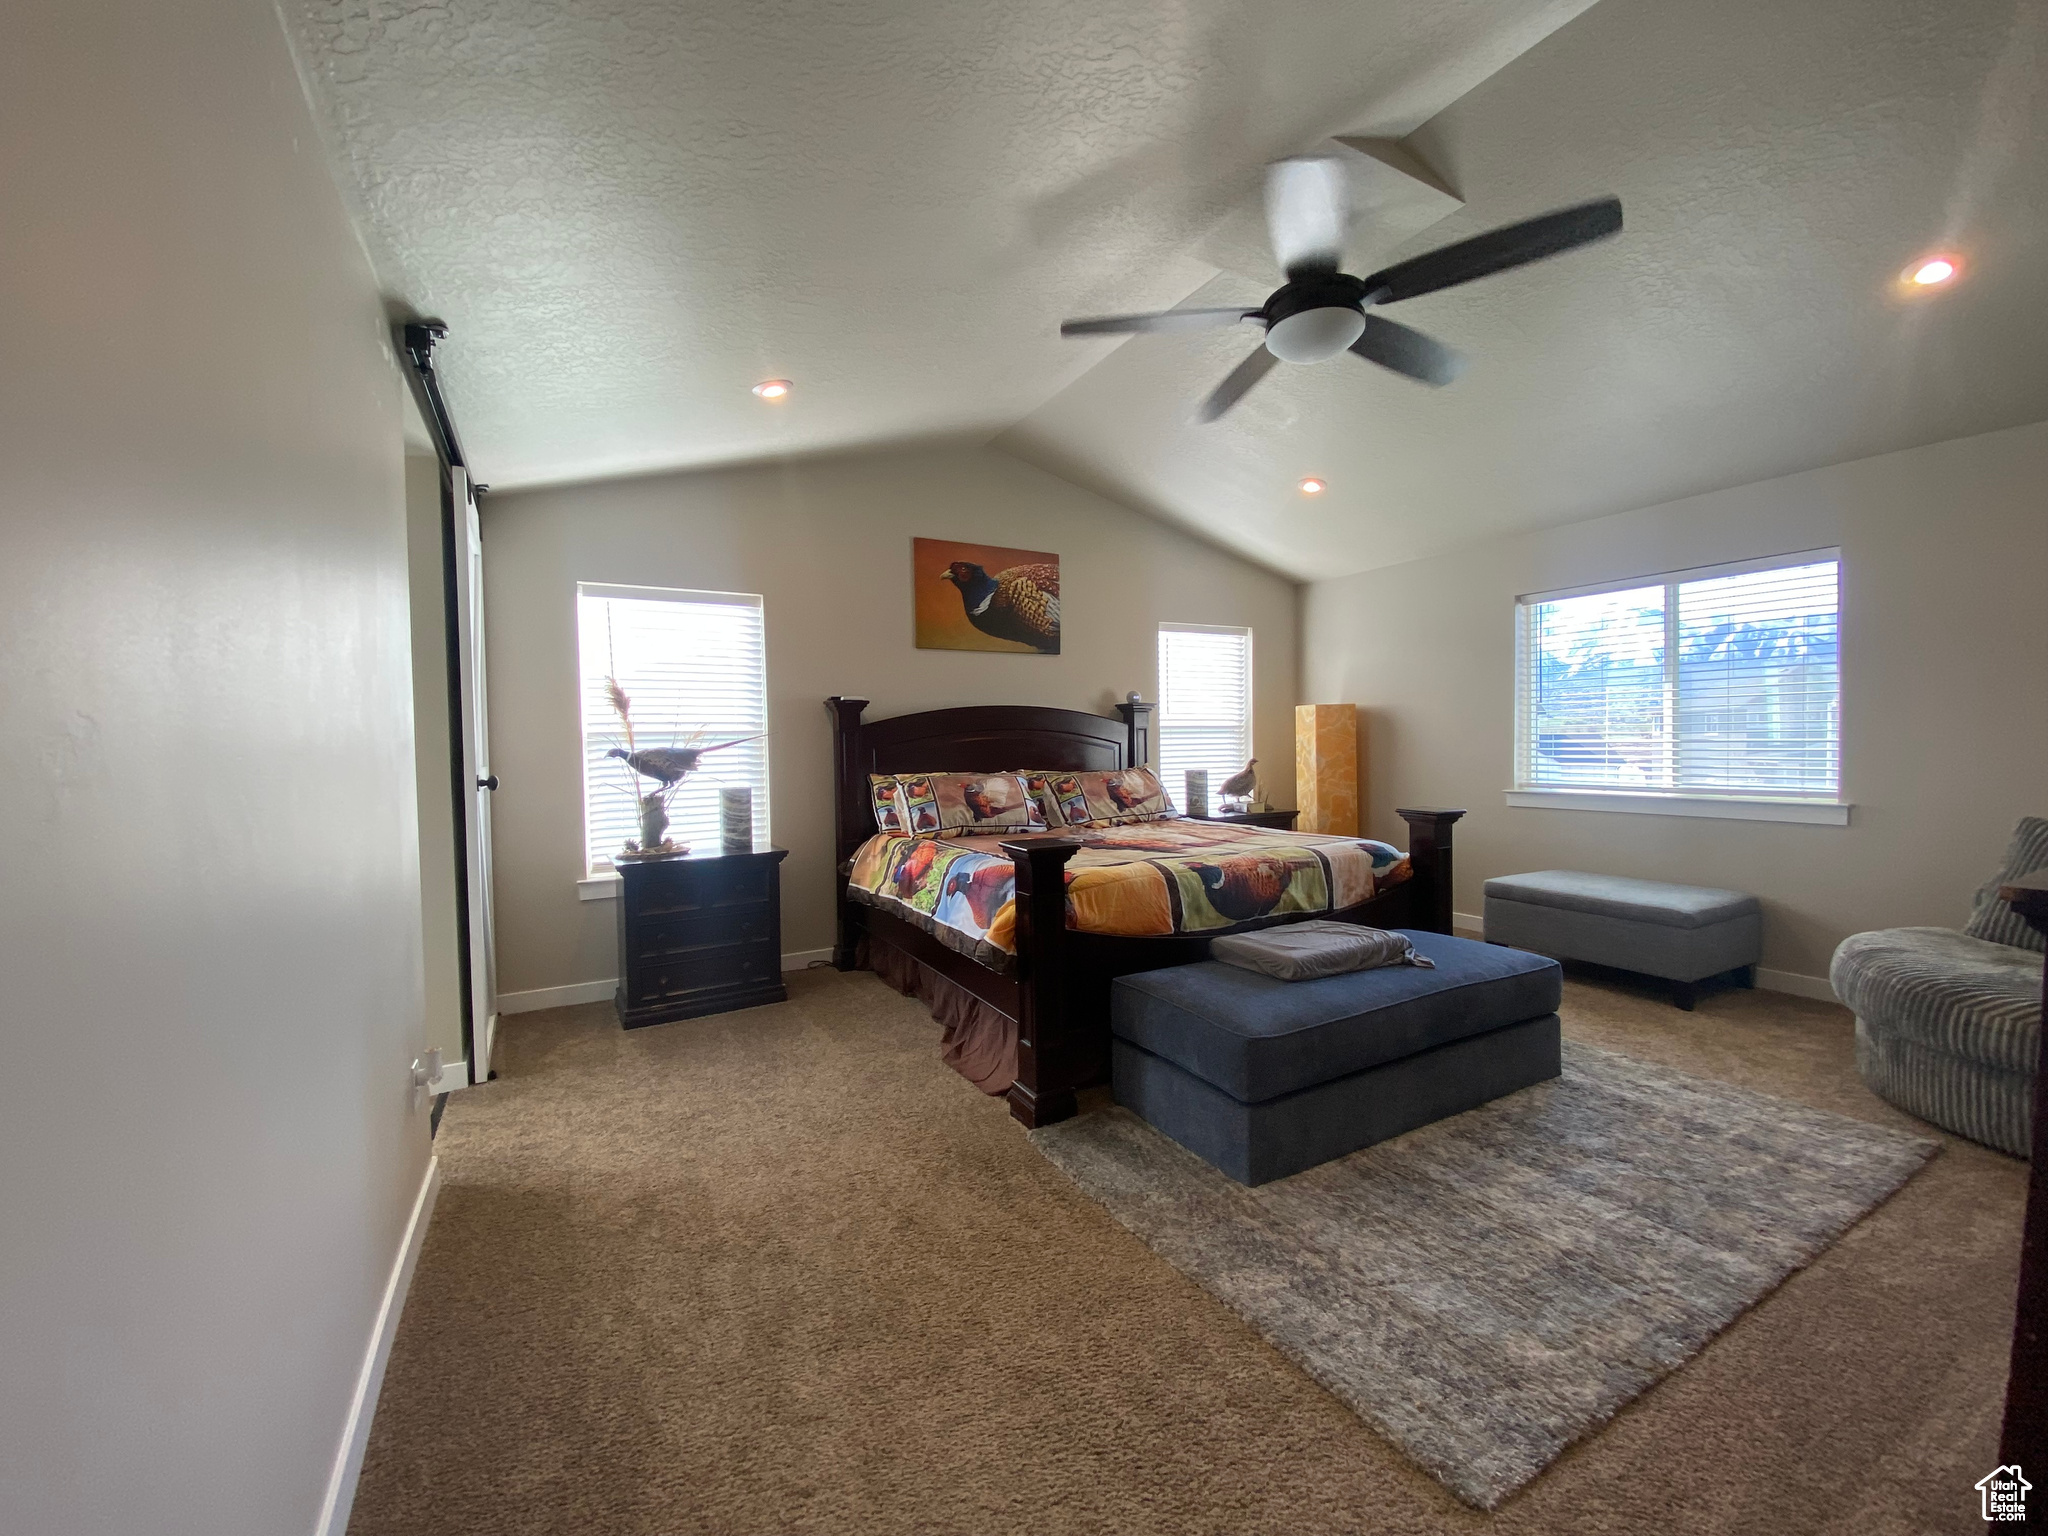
[{"x": 1305, "y": 951}]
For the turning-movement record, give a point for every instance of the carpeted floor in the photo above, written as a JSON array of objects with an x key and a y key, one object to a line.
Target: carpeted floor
[{"x": 783, "y": 1271}]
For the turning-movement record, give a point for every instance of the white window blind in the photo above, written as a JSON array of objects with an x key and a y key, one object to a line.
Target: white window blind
[
  {"x": 1722, "y": 682},
  {"x": 1205, "y": 705},
  {"x": 694, "y": 665}
]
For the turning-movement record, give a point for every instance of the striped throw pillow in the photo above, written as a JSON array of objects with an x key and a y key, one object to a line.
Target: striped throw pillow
[{"x": 1994, "y": 919}]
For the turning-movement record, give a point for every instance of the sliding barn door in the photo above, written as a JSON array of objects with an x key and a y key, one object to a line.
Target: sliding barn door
[{"x": 476, "y": 774}]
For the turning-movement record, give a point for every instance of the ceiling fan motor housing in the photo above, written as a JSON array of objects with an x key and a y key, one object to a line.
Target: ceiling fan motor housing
[{"x": 1315, "y": 318}]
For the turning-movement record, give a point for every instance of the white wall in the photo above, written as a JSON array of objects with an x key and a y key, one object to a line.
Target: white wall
[
  {"x": 1944, "y": 687},
  {"x": 209, "y": 927},
  {"x": 827, "y": 544}
]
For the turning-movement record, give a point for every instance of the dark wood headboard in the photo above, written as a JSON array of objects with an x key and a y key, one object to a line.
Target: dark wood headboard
[{"x": 982, "y": 738}]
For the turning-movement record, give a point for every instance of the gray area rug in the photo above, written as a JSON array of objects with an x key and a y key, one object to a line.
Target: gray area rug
[{"x": 1488, "y": 1289}]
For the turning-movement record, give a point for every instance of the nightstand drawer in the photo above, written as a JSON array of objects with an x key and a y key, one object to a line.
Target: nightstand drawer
[
  {"x": 689, "y": 886},
  {"x": 702, "y": 970},
  {"x": 678, "y": 933}
]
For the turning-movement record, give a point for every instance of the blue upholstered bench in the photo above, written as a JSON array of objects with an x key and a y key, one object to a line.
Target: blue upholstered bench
[{"x": 1264, "y": 1078}]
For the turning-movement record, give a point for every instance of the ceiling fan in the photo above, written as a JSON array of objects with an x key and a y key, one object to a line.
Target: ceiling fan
[{"x": 1320, "y": 312}]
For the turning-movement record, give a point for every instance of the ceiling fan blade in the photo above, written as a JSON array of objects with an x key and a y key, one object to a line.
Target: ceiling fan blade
[
  {"x": 1237, "y": 385},
  {"x": 1395, "y": 346},
  {"x": 1498, "y": 250},
  {"x": 1307, "y": 213},
  {"x": 1165, "y": 320}
]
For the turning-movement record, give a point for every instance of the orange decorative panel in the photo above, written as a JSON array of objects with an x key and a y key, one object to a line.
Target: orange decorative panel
[{"x": 1326, "y": 767}]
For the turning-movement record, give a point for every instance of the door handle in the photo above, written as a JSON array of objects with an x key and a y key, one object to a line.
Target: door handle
[{"x": 490, "y": 783}]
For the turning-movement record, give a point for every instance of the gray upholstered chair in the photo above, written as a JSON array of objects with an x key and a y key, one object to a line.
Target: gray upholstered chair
[{"x": 1948, "y": 1023}]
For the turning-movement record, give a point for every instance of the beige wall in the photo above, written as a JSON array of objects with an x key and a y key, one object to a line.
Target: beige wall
[
  {"x": 1944, "y": 687},
  {"x": 209, "y": 929},
  {"x": 827, "y": 544}
]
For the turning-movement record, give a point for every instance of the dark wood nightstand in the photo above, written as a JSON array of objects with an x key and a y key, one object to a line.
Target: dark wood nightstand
[
  {"x": 1279, "y": 821},
  {"x": 699, "y": 934}
]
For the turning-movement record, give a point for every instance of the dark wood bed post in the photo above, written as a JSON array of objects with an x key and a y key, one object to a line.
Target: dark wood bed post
[
  {"x": 1137, "y": 730},
  {"x": 1429, "y": 856},
  {"x": 849, "y": 819},
  {"x": 2024, "y": 1438},
  {"x": 1047, "y": 1071}
]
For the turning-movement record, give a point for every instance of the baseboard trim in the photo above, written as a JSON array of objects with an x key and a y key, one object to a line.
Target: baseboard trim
[
  {"x": 558, "y": 997},
  {"x": 1469, "y": 924},
  {"x": 355, "y": 1435},
  {"x": 601, "y": 991},
  {"x": 1796, "y": 983}
]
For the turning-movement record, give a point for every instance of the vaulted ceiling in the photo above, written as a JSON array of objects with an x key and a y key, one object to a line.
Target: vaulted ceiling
[{"x": 631, "y": 211}]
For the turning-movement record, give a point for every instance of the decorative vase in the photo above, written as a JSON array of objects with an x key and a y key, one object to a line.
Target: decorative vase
[
  {"x": 653, "y": 820},
  {"x": 736, "y": 819},
  {"x": 1198, "y": 791}
]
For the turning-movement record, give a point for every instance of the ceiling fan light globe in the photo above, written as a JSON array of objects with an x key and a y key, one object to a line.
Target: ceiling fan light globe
[{"x": 1315, "y": 335}]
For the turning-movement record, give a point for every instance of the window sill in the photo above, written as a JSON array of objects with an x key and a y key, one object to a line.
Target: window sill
[
  {"x": 1824, "y": 813},
  {"x": 603, "y": 887}
]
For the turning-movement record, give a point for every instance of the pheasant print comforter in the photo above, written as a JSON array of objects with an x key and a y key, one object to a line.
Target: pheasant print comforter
[{"x": 1143, "y": 880}]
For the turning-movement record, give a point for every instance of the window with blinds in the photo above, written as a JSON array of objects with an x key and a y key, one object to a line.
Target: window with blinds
[
  {"x": 1205, "y": 705},
  {"x": 1721, "y": 682},
  {"x": 693, "y": 666}
]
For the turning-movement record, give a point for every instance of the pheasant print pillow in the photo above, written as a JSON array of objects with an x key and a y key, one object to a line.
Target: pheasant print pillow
[
  {"x": 882, "y": 790},
  {"x": 1037, "y": 785},
  {"x": 1109, "y": 799},
  {"x": 966, "y": 804}
]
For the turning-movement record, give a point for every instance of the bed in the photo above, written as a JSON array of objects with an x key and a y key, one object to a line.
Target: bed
[{"x": 1038, "y": 987}]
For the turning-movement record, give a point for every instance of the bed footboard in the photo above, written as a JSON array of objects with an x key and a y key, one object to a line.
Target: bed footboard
[{"x": 1063, "y": 978}]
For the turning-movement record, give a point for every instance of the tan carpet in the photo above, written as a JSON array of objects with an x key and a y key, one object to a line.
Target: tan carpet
[{"x": 782, "y": 1270}]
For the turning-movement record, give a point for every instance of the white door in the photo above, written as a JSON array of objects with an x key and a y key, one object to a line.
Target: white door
[{"x": 476, "y": 767}]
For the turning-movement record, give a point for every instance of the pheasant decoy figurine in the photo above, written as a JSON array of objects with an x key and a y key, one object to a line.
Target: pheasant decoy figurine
[
  {"x": 1242, "y": 783},
  {"x": 1021, "y": 603},
  {"x": 668, "y": 765}
]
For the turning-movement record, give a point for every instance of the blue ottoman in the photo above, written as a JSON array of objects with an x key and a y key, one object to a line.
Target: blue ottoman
[{"x": 1264, "y": 1078}]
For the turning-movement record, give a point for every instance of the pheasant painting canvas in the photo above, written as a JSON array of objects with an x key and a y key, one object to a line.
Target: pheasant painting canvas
[{"x": 985, "y": 597}]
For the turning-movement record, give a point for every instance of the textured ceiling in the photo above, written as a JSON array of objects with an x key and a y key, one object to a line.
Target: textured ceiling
[
  {"x": 630, "y": 211},
  {"x": 1778, "y": 164}
]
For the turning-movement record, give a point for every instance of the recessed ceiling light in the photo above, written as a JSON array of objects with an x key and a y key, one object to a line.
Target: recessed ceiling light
[
  {"x": 1312, "y": 487},
  {"x": 772, "y": 389},
  {"x": 1933, "y": 271}
]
